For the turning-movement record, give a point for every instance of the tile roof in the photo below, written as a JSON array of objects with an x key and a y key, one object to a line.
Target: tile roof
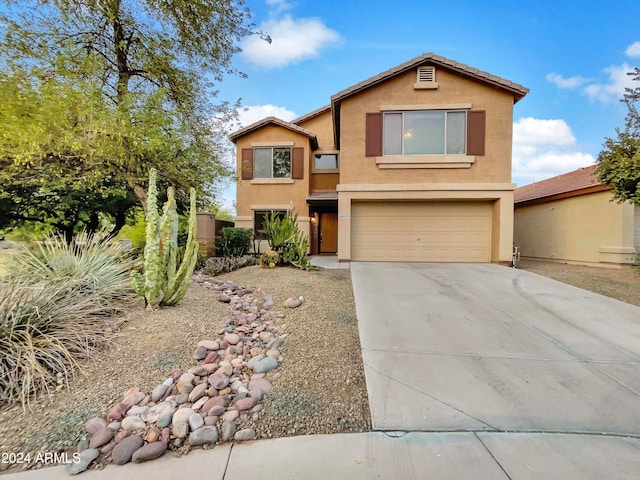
[
  {"x": 311, "y": 115},
  {"x": 274, "y": 121},
  {"x": 575, "y": 181},
  {"x": 517, "y": 90}
]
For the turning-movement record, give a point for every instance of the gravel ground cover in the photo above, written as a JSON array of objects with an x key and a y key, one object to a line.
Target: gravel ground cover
[
  {"x": 318, "y": 388},
  {"x": 620, "y": 283}
]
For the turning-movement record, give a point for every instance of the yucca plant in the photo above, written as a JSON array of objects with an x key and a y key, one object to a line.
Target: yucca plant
[{"x": 53, "y": 310}]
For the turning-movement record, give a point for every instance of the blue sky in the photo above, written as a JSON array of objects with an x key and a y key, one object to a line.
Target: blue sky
[{"x": 572, "y": 55}]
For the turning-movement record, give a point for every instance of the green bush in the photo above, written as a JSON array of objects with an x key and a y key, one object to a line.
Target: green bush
[
  {"x": 233, "y": 242},
  {"x": 54, "y": 311},
  {"x": 217, "y": 265}
]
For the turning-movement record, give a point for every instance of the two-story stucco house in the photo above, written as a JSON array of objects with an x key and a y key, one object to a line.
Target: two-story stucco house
[{"x": 413, "y": 164}]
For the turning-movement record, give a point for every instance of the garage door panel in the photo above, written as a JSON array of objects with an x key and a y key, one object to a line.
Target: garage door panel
[{"x": 421, "y": 232}]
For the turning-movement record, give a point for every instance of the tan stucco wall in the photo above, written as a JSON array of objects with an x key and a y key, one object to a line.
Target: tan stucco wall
[
  {"x": 252, "y": 195},
  {"x": 494, "y": 166},
  {"x": 322, "y": 126},
  {"x": 588, "y": 229}
]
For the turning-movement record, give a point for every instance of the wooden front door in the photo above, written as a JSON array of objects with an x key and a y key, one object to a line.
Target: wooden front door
[{"x": 328, "y": 232}]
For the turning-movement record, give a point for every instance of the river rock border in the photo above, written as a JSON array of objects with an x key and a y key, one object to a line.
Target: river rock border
[{"x": 204, "y": 405}]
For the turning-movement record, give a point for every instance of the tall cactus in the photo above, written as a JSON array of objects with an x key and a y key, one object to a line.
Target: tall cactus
[{"x": 164, "y": 283}]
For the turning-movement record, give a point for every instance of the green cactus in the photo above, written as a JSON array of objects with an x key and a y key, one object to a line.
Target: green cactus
[{"x": 163, "y": 282}]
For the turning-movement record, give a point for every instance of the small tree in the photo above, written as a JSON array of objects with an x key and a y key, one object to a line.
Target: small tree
[{"x": 619, "y": 161}]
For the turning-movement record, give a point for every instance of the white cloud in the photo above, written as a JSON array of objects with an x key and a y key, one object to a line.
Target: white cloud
[
  {"x": 543, "y": 149},
  {"x": 254, "y": 113},
  {"x": 279, "y": 5},
  {"x": 633, "y": 50},
  {"x": 614, "y": 89},
  {"x": 292, "y": 40},
  {"x": 561, "y": 82}
]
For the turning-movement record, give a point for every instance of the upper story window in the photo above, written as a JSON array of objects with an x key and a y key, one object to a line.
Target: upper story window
[
  {"x": 272, "y": 162},
  {"x": 325, "y": 161},
  {"x": 425, "y": 132}
]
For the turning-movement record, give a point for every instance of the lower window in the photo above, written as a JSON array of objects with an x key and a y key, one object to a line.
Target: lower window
[{"x": 259, "y": 221}]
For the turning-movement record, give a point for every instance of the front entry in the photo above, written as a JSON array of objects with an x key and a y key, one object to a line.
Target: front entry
[{"x": 328, "y": 232}]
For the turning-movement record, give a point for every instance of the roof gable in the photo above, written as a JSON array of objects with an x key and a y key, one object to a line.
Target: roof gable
[
  {"x": 278, "y": 122},
  {"x": 577, "y": 182}
]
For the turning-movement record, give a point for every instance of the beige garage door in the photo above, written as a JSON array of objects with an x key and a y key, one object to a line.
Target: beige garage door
[{"x": 421, "y": 231}]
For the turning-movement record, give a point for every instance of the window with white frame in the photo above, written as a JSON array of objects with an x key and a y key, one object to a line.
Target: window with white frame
[
  {"x": 272, "y": 162},
  {"x": 425, "y": 132}
]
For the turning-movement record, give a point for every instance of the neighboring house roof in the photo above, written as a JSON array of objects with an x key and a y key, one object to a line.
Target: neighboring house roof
[
  {"x": 578, "y": 182},
  {"x": 275, "y": 121},
  {"x": 311, "y": 115},
  {"x": 515, "y": 89}
]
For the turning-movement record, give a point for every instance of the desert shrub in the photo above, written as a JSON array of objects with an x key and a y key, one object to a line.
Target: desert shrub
[
  {"x": 269, "y": 259},
  {"x": 286, "y": 238},
  {"x": 54, "y": 311},
  {"x": 233, "y": 242},
  {"x": 218, "y": 265}
]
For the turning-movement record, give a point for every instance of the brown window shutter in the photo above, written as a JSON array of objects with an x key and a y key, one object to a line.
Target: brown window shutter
[
  {"x": 247, "y": 164},
  {"x": 475, "y": 132},
  {"x": 373, "y": 138},
  {"x": 297, "y": 163}
]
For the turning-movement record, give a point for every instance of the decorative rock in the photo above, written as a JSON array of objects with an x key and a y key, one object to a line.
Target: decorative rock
[
  {"x": 203, "y": 436},
  {"x": 133, "y": 423},
  {"x": 198, "y": 392},
  {"x": 180, "y": 429},
  {"x": 230, "y": 415},
  {"x": 132, "y": 399},
  {"x": 115, "y": 426},
  {"x": 265, "y": 365},
  {"x": 210, "y": 367},
  {"x": 166, "y": 434},
  {"x": 124, "y": 450},
  {"x": 121, "y": 435},
  {"x": 153, "y": 434},
  {"x": 246, "y": 403},
  {"x": 212, "y": 402},
  {"x": 101, "y": 437},
  {"x": 224, "y": 298},
  {"x": 118, "y": 411},
  {"x": 197, "y": 405},
  {"x": 150, "y": 451},
  {"x": 216, "y": 411},
  {"x": 165, "y": 420},
  {"x": 182, "y": 398},
  {"x": 86, "y": 457},
  {"x": 184, "y": 388},
  {"x": 158, "y": 392},
  {"x": 83, "y": 443},
  {"x": 259, "y": 387},
  {"x": 182, "y": 415},
  {"x": 159, "y": 410},
  {"x": 108, "y": 447},
  {"x": 245, "y": 435},
  {"x": 232, "y": 338},
  {"x": 293, "y": 302},
  {"x": 218, "y": 381},
  {"x": 137, "y": 410},
  {"x": 195, "y": 422},
  {"x": 95, "y": 424},
  {"x": 186, "y": 378},
  {"x": 273, "y": 353},
  {"x": 228, "y": 430},
  {"x": 209, "y": 344},
  {"x": 211, "y": 357},
  {"x": 200, "y": 353},
  {"x": 198, "y": 370},
  {"x": 252, "y": 363}
]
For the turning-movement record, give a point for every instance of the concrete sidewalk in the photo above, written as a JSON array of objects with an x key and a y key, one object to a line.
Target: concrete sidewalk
[{"x": 390, "y": 456}]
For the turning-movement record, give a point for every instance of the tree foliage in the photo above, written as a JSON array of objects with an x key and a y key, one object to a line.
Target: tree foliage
[
  {"x": 94, "y": 93},
  {"x": 619, "y": 161}
]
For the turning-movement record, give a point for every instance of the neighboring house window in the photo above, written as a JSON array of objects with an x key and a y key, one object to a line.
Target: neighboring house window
[
  {"x": 259, "y": 221},
  {"x": 425, "y": 132},
  {"x": 325, "y": 161},
  {"x": 272, "y": 162}
]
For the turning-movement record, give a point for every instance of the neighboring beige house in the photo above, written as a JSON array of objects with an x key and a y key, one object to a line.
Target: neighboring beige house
[
  {"x": 571, "y": 218},
  {"x": 413, "y": 164}
]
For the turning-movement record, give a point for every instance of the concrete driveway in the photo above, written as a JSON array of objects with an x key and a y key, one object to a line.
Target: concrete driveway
[{"x": 506, "y": 354}]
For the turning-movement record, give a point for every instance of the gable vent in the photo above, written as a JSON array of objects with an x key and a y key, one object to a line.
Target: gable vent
[{"x": 426, "y": 77}]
